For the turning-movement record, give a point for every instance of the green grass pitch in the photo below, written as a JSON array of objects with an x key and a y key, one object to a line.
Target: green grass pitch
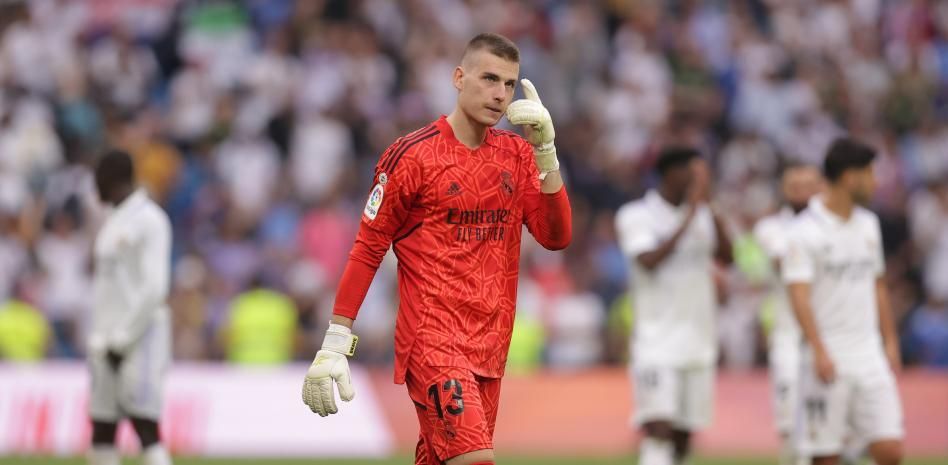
[{"x": 626, "y": 460}]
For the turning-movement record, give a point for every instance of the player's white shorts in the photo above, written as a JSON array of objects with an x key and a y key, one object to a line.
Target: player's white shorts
[
  {"x": 683, "y": 396},
  {"x": 784, "y": 360},
  {"x": 136, "y": 389},
  {"x": 862, "y": 402}
]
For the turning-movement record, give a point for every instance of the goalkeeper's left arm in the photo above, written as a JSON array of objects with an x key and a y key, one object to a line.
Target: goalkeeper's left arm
[
  {"x": 547, "y": 215},
  {"x": 530, "y": 113}
]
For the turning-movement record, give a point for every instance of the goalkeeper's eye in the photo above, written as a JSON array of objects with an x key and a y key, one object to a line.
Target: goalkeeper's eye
[{"x": 510, "y": 84}]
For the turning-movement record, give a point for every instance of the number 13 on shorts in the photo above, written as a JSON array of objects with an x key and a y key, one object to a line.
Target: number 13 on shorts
[{"x": 456, "y": 409}]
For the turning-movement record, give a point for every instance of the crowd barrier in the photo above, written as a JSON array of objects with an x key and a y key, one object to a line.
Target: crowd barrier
[{"x": 224, "y": 410}]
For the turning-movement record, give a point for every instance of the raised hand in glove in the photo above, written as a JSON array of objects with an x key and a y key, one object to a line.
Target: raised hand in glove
[{"x": 537, "y": 125}]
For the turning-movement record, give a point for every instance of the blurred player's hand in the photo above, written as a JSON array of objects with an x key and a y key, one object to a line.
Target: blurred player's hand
[
  {"x": 114, "y": 358},
  {"x": 895, "y": 357},
  {"x": 700, "y": 189},
  {"x": 537, "y": 125},
  {"x": 824, "y": 367},
  {"x": 330, "y": 366}
]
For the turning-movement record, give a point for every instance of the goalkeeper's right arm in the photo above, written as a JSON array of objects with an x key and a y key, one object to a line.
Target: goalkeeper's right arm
[{"x": 331, "y": 364}]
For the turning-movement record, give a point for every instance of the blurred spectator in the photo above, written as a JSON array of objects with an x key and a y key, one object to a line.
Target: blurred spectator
[
  {"x": 13, "y": 251},
  {"x": 122, "y": 70},
  {"x": 261, "y": 328},
  {"x": 24, "y": 333},
  {"x": 928, "y": 335},
  {"x": 256, "y": 124},
  {"x": 63, "y": 255},
  {"x": 188, "y": 304}
]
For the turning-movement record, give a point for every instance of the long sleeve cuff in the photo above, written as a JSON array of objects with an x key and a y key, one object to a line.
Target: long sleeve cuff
[
  {"x": 555, "y": 229},
  {"x": 353, "y": 287}
]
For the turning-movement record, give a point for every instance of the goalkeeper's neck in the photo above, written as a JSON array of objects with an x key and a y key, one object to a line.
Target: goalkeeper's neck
[{"x": 466, "y": 130}]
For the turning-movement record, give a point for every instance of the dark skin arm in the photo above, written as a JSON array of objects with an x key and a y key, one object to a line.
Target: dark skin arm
[
  {"x": 701, "y": 193},
  {"x": 890, "y": 335},
  {"x": 722, "y": 250},
  {"x": 651, "y": 259}
]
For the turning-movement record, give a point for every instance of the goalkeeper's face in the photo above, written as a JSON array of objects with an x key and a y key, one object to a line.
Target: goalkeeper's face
[{"x": 485, "y": 84}]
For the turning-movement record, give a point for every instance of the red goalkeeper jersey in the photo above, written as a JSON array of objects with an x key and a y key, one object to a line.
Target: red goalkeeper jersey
[{"x": 453, "y": 217}]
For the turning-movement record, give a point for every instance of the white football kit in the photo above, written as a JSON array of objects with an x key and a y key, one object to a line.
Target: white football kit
[
  {"x": 675, "y": 344},
  {"x": 841, "y": 259},
  {"x": 785, "y": 338},
  {"x": 132, "y": 267}
]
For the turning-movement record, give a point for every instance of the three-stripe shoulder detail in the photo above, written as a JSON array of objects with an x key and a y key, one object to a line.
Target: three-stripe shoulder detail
[{"x": 389, "y": 163}]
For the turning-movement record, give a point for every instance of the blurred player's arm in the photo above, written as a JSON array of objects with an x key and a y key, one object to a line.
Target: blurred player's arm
[
  {"x": 652, "y": 258},
  {"x": 146, "y": 295},
  {"x": 798, "y": 272},
  {"x": 890, "y": 336},
  {"x": 800, "y": 301},
  {"x": 723, "y": 251},
  {"x": 386, "y": 212},
  {"x": 701, "y": 192},
  {"x": 887, "y": 326},
  {"x": 771, "y": 242}
]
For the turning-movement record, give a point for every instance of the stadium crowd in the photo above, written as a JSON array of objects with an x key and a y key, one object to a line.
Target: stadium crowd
[{"x": 256, "y": 125}]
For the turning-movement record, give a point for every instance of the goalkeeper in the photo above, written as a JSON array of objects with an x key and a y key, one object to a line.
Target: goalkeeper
[{"x": 450, "y": 198}]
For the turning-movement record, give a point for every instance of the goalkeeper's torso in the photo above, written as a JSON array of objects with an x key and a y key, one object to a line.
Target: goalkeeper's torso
[{"x": 456, "y": 217}]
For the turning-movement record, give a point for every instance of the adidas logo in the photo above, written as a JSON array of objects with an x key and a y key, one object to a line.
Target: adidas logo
[{"x": 454, "y": 189}]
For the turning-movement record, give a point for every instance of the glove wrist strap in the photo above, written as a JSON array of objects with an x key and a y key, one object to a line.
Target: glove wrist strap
[
  {"x": 546, "y": 159},
  {"x": 340, "y": 339},
  {"x": 545, "y": 147}
]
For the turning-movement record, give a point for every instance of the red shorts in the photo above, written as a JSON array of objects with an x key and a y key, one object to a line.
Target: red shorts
[{"x": 456, "y": 411}]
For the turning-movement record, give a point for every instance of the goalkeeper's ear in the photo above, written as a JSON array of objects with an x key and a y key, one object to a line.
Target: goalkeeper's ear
[{"x": 458, "y": 78}]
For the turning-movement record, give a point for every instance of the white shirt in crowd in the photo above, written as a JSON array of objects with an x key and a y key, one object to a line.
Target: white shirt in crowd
[
  {"x": 132, "y": 273},
  {"x": 841, "y": 260},
  {"x": 65, "y": 260},
  {"x": 674, "y": 303}
]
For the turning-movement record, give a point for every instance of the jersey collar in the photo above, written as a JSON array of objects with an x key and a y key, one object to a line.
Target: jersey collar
[
  {"x": 448, "y": 133},
  {"x": 819, "y": 209},
  {"x": 786, "y": 213},
  {"x": 655, "y": 200},
  {"x": 135, "y": 198}
]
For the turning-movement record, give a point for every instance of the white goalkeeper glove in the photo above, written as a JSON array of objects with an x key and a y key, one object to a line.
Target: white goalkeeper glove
[
  {"x": 330, "y": 366},
  {"x": 537, "y": 125}
]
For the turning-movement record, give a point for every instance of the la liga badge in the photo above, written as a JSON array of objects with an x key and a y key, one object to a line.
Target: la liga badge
[{"x": 375, "y": 202}]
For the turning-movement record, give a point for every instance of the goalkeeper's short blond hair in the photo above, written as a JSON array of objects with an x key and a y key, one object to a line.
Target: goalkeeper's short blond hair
[{"x": 496, "y": 44}]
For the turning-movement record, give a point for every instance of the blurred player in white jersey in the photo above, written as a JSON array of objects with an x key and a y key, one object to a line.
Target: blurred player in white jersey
[
  {"x": 798, "y": 184},
  {"x": 672, "y": 237},
  {"x": 834, "y": 269},
  {"x": 130, "y": 343}
]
